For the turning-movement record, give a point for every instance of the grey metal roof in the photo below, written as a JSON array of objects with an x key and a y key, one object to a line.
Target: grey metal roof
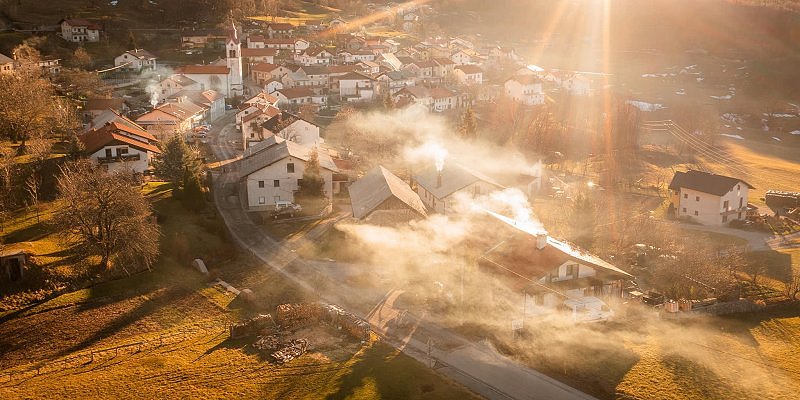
[
  {"x": 454, "y": 178},
  {"x": 267, "y": 155},
  {"x": 379, "y": 185}
]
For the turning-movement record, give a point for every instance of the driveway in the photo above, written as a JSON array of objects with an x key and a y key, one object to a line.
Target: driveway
[
  {"x": 756, "y": 241},
  {"x": 474, "y": 365}
]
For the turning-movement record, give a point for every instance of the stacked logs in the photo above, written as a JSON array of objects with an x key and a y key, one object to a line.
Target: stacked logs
[
  {"x": 348, "y": 322},
  {"x": 291, "y": 350},
  {"x": 268, "y": 343},
  {"x": 296, "y": 315},
  {"x": 250, "y": 327}
]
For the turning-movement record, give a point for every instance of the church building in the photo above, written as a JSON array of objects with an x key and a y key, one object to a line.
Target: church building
[{"x": 223, "y": 76}]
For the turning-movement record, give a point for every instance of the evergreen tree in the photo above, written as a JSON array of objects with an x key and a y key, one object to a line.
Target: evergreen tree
[
  {"x": 313, "y": 185},
  {"x": 192, "y": 192},
  {"x": 176, "y": 160}
]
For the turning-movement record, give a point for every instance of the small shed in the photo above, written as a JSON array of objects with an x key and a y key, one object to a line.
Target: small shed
[{"x": 13, "y": 260}]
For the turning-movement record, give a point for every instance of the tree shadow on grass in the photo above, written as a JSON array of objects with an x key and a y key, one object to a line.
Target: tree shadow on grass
[
  {"x": 777, "y": 265},
  {"x": 154, "y": 302},
  {"x": 29, "y": 233},
  {"x": 392, "y": 374}
]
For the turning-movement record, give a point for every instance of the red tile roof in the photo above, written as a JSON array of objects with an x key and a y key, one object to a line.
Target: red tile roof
[
  {"x": 264, "y": 67},
  {"x": 204, "y": 69},
  {"x": 248, "y": 52},
  {"x": 295, "y": 93},
  {"x": 96, "y": 140},
  {"x": 470, "y": 69}
]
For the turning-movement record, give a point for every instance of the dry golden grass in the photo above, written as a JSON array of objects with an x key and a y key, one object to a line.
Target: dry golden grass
[
  {"x": 207, "y": 365},
  {"x": 765, "y": 166}
]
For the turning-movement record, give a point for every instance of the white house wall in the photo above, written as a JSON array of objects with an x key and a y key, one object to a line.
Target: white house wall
[
  {"x": 709, "y": 207},
  {"x": 137, "y": 166},
  {"x": 265, "y": 198}
]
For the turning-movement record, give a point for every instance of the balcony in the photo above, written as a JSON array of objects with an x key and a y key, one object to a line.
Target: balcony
[
  {"x": 733, "y": 210},
  {"x": 119, "y": 158}
]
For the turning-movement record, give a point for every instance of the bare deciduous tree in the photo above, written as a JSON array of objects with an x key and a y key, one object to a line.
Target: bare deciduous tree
[{"x": 108, "y": 214}]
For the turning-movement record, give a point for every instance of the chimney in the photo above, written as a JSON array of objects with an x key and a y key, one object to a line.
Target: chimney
[
  {"x": 439, "y": 179},
  {"x": 541, "y": 240}
]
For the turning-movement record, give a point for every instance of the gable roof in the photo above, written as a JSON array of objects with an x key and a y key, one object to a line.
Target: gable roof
[
  {"x": 454, "y": 178},
  {"x": 705, "y": 182},
  {"x": 296, "y": 92},
  {"x": 81, "y": 22},
  {"x": 4, "y": 59},
  {"x": 157, "y": 115},
  {"x": 181, "y": 80},
  {"x": 269, "y": 152},
  {"x": 518, "y": 256},
  {"x": 204, "y": 69},
  {"x": 470, "y": 69},
  {"x": 98, "y": 139},
  {"x": 284, "y": 118},
  {"x": 315, "y": 69},
  {"x": 379, "y": 185},
  {"x": 121, "y": 128},
  {"x": 264, "y": 67},
  {"x": 107, "y": 116},
  {"x": 265, "y": 52},
  {"x": 141, "y": 54},
  {"x": 354, "y": 76}
]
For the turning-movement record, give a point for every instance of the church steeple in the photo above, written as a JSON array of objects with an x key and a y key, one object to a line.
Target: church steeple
[
  {"x": 233, "y": 33},
  {"x": 233, "y": 53}
]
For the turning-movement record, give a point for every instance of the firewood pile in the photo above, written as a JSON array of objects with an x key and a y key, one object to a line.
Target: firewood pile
[
  {"x": 295, "y": 315},
  {"x": 251, "y": 326},
  {"x": 348, "y": 322},
  {"x": 268, "y": 343},
  {"x": 290, "y": 350}
]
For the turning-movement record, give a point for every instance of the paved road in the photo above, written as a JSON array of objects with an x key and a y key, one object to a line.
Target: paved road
[
  {"x": 756, "y": 241},
  {"x": 474, "y": 365}
]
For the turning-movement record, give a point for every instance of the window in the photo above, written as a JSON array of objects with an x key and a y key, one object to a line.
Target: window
[
  {"x": 725, "y": 205},
  {"x": 740, "y": 216},
  {"x": 740, "y": 202},
  {"x": 122, "y": 150},
  {"x": 261, "y": 184},
  {"x": 276, "y": 183},
  {"x": 739, "y": 187},
  {"x": 684, "y": 210},
  {"x": 724, "y": 219},
  {"x": 696, "y": 212},
  {"x": 686, "y": 195},
  {"x": 232, "y": 54},
  {"x": 262, "y": 200},
  {"x": 108, "y": 153},
  {"x": 290, "y": 168},
  {"x": 572, "y": 270},
  {"x": 696, "y": 198}
]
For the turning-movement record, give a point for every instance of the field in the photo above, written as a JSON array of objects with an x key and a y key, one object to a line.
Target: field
[
  {"x": 168, "y": 329},
  {"x": 639, "y": 356}
]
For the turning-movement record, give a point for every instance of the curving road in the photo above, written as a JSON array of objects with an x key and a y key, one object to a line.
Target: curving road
[{"x": 474, "y": 365}]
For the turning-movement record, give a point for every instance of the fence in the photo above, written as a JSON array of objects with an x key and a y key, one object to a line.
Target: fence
[{"x": 91, "y": 356}]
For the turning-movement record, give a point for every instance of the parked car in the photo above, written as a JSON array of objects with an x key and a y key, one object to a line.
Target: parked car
[{"x": 286, "y": 209}]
